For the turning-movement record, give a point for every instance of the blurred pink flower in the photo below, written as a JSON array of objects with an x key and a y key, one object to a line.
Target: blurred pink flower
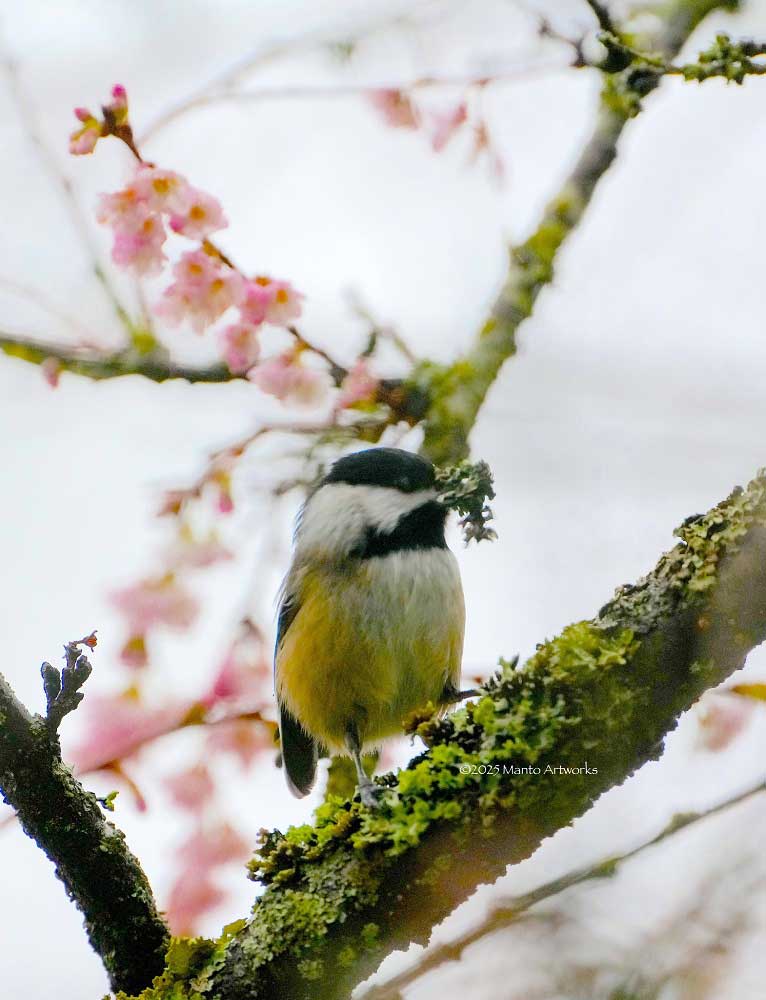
[
  {"x": 200, "y": 215},
  {"x": 360, "y": 384},
  {"x": 271, "y": 301},
  {"x": 191, "y": 789},
  {"x": 51, "y": 370},
  {"x": 134, "y": 653},
  {"x": 395, "y": 106},
  {"x": 191, "y": 896},
  {"x": 212, "y": 846},
  {"x": 722, "y": 717},
  {"x": 83, "y": 140},
  {"x": 242, "y": 738},
  {"x": 445, "y": 124},
  {"x": 240, "y": 346},
  {"x": 118, "y": 725},
  {"x": 154, "y": 602},
  {"x": 203, "y": 290},
  {"x": 141, "y": 249},
  {"x": 240, "y": 677},
  {"x": 125, "y": 210},
  {"x": 287, "y": 378},
  {"x": 161, "y": 190},
  {"x": 197, "y": 553}
]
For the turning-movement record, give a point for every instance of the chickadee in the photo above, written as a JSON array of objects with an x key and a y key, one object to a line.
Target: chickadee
[{"x": 372, "y": 616}]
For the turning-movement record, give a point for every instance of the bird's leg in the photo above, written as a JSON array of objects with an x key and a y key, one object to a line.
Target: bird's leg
[
  {"x": 368, "y": 792},
  {"x": 451, "y": 695}
]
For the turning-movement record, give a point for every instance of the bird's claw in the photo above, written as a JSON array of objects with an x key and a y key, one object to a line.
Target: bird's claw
[{"x": 370, "y": 795}]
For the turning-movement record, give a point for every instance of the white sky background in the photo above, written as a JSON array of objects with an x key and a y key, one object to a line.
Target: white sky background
[{"x": 636, "y": 399}]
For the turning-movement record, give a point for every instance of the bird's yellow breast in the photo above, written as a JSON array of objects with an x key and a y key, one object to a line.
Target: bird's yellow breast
[{"x": 372, "y": 640}]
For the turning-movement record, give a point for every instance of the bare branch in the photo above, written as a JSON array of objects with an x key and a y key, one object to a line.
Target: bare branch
[{"x": 457, "y": 391}]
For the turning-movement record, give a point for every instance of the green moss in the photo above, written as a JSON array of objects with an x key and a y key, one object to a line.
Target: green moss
[{"x": 599, "y": 693}]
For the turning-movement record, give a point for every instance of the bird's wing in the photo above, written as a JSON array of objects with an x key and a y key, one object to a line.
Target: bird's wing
[{"x": 299, "y": 750}]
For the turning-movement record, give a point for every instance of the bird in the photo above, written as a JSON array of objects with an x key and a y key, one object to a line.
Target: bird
[{"x": 371, "y": 614}]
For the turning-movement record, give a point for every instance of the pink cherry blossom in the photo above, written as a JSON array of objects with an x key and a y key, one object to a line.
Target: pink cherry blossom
[
  {"x": 191, "y": 789},
  {"x": 156, "y": 602},
  {"x": 213, "y": 846},
  {"x": 189, "y": 552},
  {"x": 395, "y": 106},
  {"x": 722, "y": 718},
  {"x": 117, "y": 108},
  {"x": 51, "y": 370},
  {"x": 242, "y": 738},
  {"x": 192, "y": 895},
  {"x": 240, "y": 346},
  {"x": 445, "y": 124},
  {"x": 200, "y": 216},
  {"x": 270, "y": 301},
  {"x": 240, "y": 677},
  {"x": 287, "y": 378},
  {"x": 119, "y": 725},
  {"x": 203, "y": 290},
  {"x": 141, "y": 249},
  {"x": 125, "y": 210},
  {"x": 134, "y": 653},
  {"x": 161, "y": 190},
  {"x": 360, "y": 384},
  {"x": 83, "y": 140}
]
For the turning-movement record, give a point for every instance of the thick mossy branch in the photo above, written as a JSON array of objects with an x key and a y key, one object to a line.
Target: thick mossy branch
[
  {"x": 457, "y": 391},
  {"x": 535, "y": 750},
  {"x": 91, "y": 856}
]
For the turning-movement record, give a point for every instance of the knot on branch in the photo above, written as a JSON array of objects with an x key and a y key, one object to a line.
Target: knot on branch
[
  {"x": 466, "y": 488},
  {"x": 62, "y": 688}
]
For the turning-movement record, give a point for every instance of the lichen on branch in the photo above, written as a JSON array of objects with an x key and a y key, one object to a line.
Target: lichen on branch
[
  {"x": 91, "y": 856},
  {"x": 532, "y": 753},
  {"x": 457, "y": 391}
]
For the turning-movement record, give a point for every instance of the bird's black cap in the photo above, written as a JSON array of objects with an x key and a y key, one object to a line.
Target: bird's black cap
[{"x": 392, "y": 467}]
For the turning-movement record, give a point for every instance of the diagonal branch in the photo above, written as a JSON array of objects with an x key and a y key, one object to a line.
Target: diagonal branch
[
  {"x": 90, "y": 854},
  {"x": 540, "y": 745},
  {"x": 508, "y": 910},
  {"x": 458, "y": 391}
]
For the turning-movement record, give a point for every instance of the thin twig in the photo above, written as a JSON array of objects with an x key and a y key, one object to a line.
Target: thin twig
[{"x": 29, "y": 119}]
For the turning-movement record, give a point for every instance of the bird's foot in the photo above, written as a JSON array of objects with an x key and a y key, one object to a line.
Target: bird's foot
[
  {"x": 452, "y": 696},
  {"x": 369, "y": 793}
]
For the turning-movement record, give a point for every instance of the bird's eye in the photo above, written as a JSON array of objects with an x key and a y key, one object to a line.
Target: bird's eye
[{"x": 404, "y": 484}]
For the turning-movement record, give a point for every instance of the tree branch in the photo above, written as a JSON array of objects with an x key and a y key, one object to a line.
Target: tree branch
[
  {"x": 457, "y": 391},
  {"x": 507, "y": 910},
  {"x": 154, "y": 365},
  {"x": 531, "y": 755},
  {"x": 90, "y": 854}
]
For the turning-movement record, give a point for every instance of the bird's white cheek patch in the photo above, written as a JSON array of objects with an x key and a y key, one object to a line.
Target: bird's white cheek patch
[{"x": 338, "y": 516}]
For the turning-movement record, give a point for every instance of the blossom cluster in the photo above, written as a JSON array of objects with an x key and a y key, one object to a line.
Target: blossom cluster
[
  {"x": 399, "y": 110},
  {"x": 205, "y": 285}
]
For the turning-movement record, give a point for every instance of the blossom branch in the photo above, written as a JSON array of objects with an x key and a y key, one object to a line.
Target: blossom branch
[
  {"x": 90, "y": 854},
  {"x": 154, "y": 365},
  {"x": 507, "y": 910}
]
